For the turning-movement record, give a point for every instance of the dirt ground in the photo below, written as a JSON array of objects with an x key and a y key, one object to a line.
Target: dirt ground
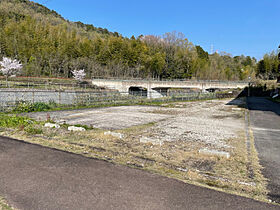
[
  {"x": 111, "y": 118},
  {"x": 209, "y": 122},
  {"x": 201, "y": 142}
]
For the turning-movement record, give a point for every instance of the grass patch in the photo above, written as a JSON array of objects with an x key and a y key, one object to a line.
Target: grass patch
[
  {"x": 258, "y": 178},
  {"x": 138, "y": 129},
  {"x": 30, "y": 126},
  {"x": 24, "y": 106},
  {"x": 4, "y": 205},
  {"x": 15, "y": 121},
  {"x": 276, "y": 100},
  {"x": 32, "y": 130}
]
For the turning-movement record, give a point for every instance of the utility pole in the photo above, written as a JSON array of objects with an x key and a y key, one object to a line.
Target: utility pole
[{"x": 249, "y": 84}]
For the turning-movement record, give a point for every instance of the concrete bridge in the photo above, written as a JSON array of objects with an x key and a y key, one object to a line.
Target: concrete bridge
[{"x": 156, "y": 89}]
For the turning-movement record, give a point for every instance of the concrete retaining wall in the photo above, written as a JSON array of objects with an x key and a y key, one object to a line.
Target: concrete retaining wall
[{"x": 10, "y": 97}]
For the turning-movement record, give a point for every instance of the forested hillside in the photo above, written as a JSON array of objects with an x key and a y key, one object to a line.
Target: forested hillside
[
  {"x": 267, "y": 68},
  {"x": 49, "y": 45}
]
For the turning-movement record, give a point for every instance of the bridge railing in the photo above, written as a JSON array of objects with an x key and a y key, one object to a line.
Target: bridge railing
[{"x": 169, "y": 80}]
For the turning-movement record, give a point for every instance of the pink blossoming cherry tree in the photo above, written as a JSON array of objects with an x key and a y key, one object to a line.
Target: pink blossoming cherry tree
[
  {"x": 79, "y": 75},
  {"x": 10, "y": 67}
]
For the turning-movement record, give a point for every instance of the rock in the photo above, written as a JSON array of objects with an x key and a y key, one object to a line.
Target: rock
[
  {"x": 150, "y": 140},
  {"x": 52, "y": 125},
  {"x": 117, "y": 135},
  {"x": 183, "y": 169},
  {"x": 248, "y": 184},
  {"x": 236, "y": 109},
  {"x": 74, "y": 128},
  {"x": 275, "y": 96},
  {"x": 214, "y": 152}
]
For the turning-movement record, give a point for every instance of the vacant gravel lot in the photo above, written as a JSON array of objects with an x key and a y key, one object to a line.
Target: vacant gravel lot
[
  {"x": 210, "y": 122},
  {"x": 111, "y": 118},
  {"x": 201, "y": 142}
]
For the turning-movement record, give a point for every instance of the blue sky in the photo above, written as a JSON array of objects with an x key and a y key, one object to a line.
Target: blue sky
[{"x": 249, "y": 27}]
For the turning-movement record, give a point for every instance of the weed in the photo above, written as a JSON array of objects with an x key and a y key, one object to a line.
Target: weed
[
  {"x": 4, "y": 205},
  {"x": 83, "y": 126},
  {"x": 25, "y": 106},
  {"x": 14, "y": 121},
  {"x": 33, "y": 130},
  {"x": 39, "y": 106}
]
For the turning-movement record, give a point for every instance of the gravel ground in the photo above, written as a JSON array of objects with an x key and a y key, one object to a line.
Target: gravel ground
[
  {"x": 112, "y": 118},
  {"x": 211, "y": 122}
]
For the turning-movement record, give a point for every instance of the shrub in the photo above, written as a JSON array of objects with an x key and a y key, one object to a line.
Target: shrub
[
  {"x": 24, "y": 106},
  {"x": 39, "y": 106},
  {"x": 52, "y": 104},
  {"x": 14, "y": 121}
]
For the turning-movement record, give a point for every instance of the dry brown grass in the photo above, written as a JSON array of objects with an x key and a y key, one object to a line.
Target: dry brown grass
[
  {"x": 258, "y": 177},
  {"x": 177, "y": 159}
]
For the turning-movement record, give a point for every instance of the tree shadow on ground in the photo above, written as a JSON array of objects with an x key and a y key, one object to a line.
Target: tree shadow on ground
[
  {"x": 260, "y": 101},
  {"x": 263, "y": 103}
]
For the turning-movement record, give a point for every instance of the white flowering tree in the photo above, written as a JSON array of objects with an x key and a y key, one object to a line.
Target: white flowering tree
[
  {"x": 79, "y": 75},
  {"x": 9, "y": 67}
]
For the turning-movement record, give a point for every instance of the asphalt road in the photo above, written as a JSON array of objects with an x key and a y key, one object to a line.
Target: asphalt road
[
  {"x": 35, "y": 177},
  {"x": 265, "y": 121}
]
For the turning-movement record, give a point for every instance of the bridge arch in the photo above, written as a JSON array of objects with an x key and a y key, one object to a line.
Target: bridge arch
[
  {"x": 156, "y": 89},
  {"x": 138, "y": 91}
]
